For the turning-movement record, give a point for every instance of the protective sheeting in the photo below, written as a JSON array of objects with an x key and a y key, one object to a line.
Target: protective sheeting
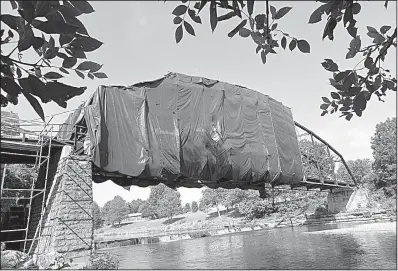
[{"x": 185, "y": 127}]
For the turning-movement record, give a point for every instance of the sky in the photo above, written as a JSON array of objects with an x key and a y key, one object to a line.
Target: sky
[{"x": 139, "y": 45}]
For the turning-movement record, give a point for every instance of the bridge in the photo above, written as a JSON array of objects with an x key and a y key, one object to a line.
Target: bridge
[{"x": 67, "y": 157}]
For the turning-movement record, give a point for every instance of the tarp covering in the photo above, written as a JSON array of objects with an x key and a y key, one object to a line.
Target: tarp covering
[{"x": 191, "y": 127}]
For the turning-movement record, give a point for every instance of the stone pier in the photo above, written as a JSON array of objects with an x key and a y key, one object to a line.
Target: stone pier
[
  {"x": 346, "y": 200},
  {"x": 67, "y": 226}
]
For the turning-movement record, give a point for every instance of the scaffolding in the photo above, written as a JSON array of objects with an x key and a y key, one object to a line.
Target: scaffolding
[{"x": 35, "y": 146}]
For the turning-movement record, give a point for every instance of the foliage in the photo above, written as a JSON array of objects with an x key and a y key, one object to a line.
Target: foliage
[
  {"x": 102, "y": 261},
  {"x": 194, "y": 206},
  {"x": 134, "y": 205},
  {"x": 384, "y": 147},
  {"x": 212, "y": 198},
  {"x": 115, "y": 210},
  {"x": 97, "y": 215},
  {"x": 41, "y": 78},
  {"x": 162, "y": 202},
  {"x": 187, "y": 208},
  {"x": 316, "y": 161},
  {"x": 360, "y": 168},
  {"x": 252, "y": 206},
  {"x": 353, "y": 90},
  {"x": 17, "y": 176},
  {"x": 231, "y": 197}
]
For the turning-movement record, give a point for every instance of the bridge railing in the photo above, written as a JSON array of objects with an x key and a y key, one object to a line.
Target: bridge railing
[{"x": 320, "y": 160}]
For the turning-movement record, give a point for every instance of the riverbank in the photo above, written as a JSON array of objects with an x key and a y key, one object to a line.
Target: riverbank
[{"x": 134, "y": 238}]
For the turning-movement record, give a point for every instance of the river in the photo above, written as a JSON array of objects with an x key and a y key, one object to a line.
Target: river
[{"x": 348, "y": 246}]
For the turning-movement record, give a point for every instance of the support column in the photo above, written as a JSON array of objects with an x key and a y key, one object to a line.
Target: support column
[
  {"x": 338, "y": 200},
  {"x": 68, "y": 226}
]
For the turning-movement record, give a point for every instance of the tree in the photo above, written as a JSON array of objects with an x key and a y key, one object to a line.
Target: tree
[
  {"x": 316, "y": 161},
  {"x": 187, "y": 208},
  {"x": 170, "y": 204},
  {"x": 360, "y": 168},
  {"x": 194, "y": 206},
  {"x": 61, "y": 38},
  {"x": 384, "y": 147},
  {"x": 97, "y": 215},
  {"x": 232, "y": 197},
  {"x": 353, "y": 87},
  {"x": 162, "y": 202},
  {"x": 115, "y": 210},
  {"x": 134, "y": 205},
  {"x": 252, "y": 206},
  {"x": 213, "y": 197}
]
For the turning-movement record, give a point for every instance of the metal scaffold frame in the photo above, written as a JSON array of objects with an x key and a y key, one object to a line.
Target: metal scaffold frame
[{"x": 44, "y": 137}]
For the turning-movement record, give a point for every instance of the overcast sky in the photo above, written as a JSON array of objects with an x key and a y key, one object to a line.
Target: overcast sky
[{"x": 139, "y": 45}]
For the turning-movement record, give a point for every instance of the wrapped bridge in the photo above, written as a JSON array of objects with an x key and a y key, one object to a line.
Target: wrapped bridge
[{"x": 191, "y": 131}]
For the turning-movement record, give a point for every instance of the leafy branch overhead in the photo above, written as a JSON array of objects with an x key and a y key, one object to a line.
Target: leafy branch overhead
[
  {"x": 36, "y": 27},
  {"x": 353, "y": 90}
]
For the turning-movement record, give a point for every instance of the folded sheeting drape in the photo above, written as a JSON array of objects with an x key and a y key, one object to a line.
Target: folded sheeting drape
[{"x": 185, "y": 126}]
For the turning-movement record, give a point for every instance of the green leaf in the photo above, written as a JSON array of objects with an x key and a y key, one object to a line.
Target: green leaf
[
  {"x": 292, "y": 44},
  {"x": 10, "y": 20},
  {"x": 371, "y": 29},
  {"x": 177, "y": 20},
  {"x": 356, "y": 8},
  {"x": 37, "y": 42},
  {"x": 273, "y": 27},
  {"x": 51, "y": 53},
  {"x": 349, "y": 116},
  {"x": 282, "y": 12},
  {"x": 200, "y": 5},
  {"x": 57, "y": 27},
  {"x": 179, "y": 33},
  {"x": 12, "y": 99},
  {"x": 360, "y": 101},
  {"x": 100, "y": 75},
  {"x": 326, "y": 100},
  {"x": 10, "y": 86},
  {"x": 63, "y": 70},
  {"x": 273, "y": 11},
  {"x": 316, "y": 16},
  {"x": 89, "y": 65},
  {"x": 213, "y": 15},
  {"x": 244, "y": 32},
  {"x": 324, "y": 106},
  {"x": 180, "y": 10},
  {"x": 250, "y": 5},
  {"x": 83, "y": 6},
  {"x": 194, "y": 17},
  {"x": 69, "y": 62},
  {"x": 86, "y": 44},
  {"x": 237, "y": 28},
  {"x": 189, "y": 28},
  {"x": 263, "y": 56},
  {"x": 77, "y": 53},
  {"x": 353, "y": 91},
  {"x": 283, "y": 42},
  {"x": 4, "y": 101},
  {"x": 348, "y": 15},
  {"x": 384, "y": 29},
  {"x": 80, "y": 74},
  {"x": 226, "y": 16},
  {"x": 303, "y": 46},
  {"x": 65, "y": 39},
  {"x": 349, "y": 81},
  {"x": 53, "y": 75},
  {"x": 335, "y": 95},
  {"x": 35, "y": 104},
  {"x": 90, "y": 75},
  {"x": 324, "y": 113},
  {"x": 329, "y": 65}
]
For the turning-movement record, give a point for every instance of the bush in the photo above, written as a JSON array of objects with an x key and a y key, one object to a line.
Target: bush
[{"x": 102, "y": 261}]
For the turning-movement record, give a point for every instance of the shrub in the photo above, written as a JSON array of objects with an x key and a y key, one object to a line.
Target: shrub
[{"x": 102, "y": 261}]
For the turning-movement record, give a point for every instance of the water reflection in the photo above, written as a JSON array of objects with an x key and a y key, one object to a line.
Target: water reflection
[{"x": 286, "y": 248}]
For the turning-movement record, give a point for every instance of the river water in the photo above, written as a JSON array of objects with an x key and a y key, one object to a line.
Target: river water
[{"x": 349, "y": 246}]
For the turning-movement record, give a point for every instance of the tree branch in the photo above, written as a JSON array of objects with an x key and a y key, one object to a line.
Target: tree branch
[{"x": 267, "y": 14}]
